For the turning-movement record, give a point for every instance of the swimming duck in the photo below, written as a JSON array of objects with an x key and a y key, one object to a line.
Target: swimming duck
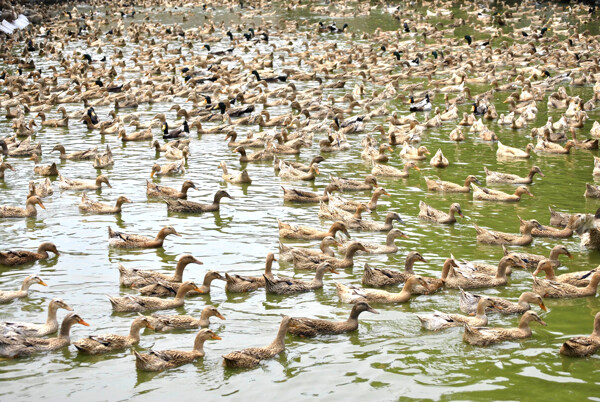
[
  {"x": 311, "y": 262},
  {"x": 585, "y": 144},
  {"x": 532, "y": 260},
  {"x": 16, "y": 346},
  {"x": 161, "y": 288},
  {"x": 159, "y": 360},
  {"x": 241, "y": 178},
  {"x": 289, "y": 286},
  {"x": 355, "y": 185},
  {"x": 155, "y": 190},
  {"x": 20, "y": 257},
  {"x": 251, "y": 357},
  {"x": 70, "y": 184},
  {"x": 379, "y": 277},
  {"x": 42, "y": 189},
  {"x": 139, "y": 277},
  {"x": 266, "y": 154},
  {"x": 414, "y": 154},
  {"x": 350, "y": 205},
  {"x": 239, "y": 283},
  {"x": 575, "y": 222},
  {"x": 552, "y": 148},
  {"x": 182, "y": 131},
  {"x": 7, "y": 211},
  {"x": 288, "y": 172},
  {"x": 467, "y": 279},
  {"x": 581, "y": 346},
  {"x": 421, "y": 106},
  {"x": 591, "y": 191},
  {"x": 449, "y": 187},
  {"x": 439, "y": 160},
  {"x": 87, "y": 205},
  {"x": 486, "y": 194},
  {"x": 431, "y": 214},
  {"x": 492, "y": 237},
  {"x": 286, "y": 253},
  {"x": 390, "y": 171},
  {"x": 179, "y": 205},
  {"x": 355, "y": 294},
  {"x": 24, "y": 148},
  {"x": 37, "y": 330},
  {"x": 124, "y": 240},
  {"x": 498, "y": 177},
  {"x": 580, "y": 278},
  {"x": 64, "y": 122},
  {"x": 88, "y": 154},
  {"x": 4, "y": 166},
  {"x": 47, "y": 170},
  {"x": 303, "y": 196},
  {"x": 374, "y": 248},
  {"x": 173, "y": 153},
  {"x": 457, "y": 135},
  {"x": 141, "y": 303},
  {"x": 482, "y": 336},
  {"x": 469, "y": 303},
  {"x": 513, "y": 153},
  {"x": 165, "y": 323},
  {"x": 439, "y": 320},
  {"x": 104, "y": 160},
  {"x": 310, "y": 327},
  {"x": 168, "y": 169},
  {"x": 288, "y": 231},
  {"x": 559, "y": 290},
  {"x": 142, "y": 135},
  {"x": 100, "y": 344}
]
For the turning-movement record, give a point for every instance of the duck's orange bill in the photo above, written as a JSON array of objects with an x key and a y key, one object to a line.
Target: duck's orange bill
[
  {"x": 43, "y": 283},
  {"x": 198, "y": 290},
  {"x": 386, "y": 193},
  {"x": 149, "y": 326},
  {"x": 333, "y": 271},
  {"x": 405, "y": 236},
  {"x": 216, "y": 337},
  {"x": 42, "y": 205},
  {"x": 417, "y": 168},
  {"x": 83, "y": 323},
  {"x": 220, "y": 316},
  {"x": 543, "y": 307}
]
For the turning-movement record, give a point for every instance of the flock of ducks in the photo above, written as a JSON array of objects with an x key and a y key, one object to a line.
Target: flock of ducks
[{"x": 226, "y": 91}]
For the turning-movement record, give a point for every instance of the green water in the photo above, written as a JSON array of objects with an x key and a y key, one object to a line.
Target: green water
[{"x": 390, "y": 357}]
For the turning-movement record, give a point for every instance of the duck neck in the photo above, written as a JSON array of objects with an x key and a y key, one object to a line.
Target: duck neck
[
  {"x": 524, "y": 324},
  {"x": 134, "y": 331},
  {"x": 160, "y": 237},
  {"x": 531, "y": 174},
  {"x": 51, "y": 319},
  {"x": 199, "y": 345},
  {"x": 501, "y": 271},
  {"x": 42, "y": 253},
  {"x": 523, "y": 303},
  {"x": 184, "y": 188},
  {"x": 480, "y": 310},
  {"x": 446, "y": 268},
  {"x": 350, "y": 252},
  {"x": 178, "y": 275},
  {"x": 451, "y": 213},
  {"x": 65, "y": 330},
  {"x": 596, "y": 332},
  {"x": 554, "y": 253},
  {"x": 467, "y": 183},
  {"x": 354, "y": 314},
  {"x": 389, "y": 241},
  {"x": 224, "y": 167},
  {"x": 594, "y": 281},
  {"x": 358, "y": 214},
  {"x": 325, "y": 249},
  {"x": 269, "y": 265},
  {"x": 318, "y": 279},
  {"x": 279, "y": 341},
  {"x": 409, "y": 262},
  {"x": 208, "y": 280},
  {"x": 374, "y": 198},
  {"x": 217, "y": 199}
]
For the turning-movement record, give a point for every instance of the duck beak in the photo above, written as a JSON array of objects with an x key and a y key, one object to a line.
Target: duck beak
[
  {"x": 152, "y": 174},
  {"x": 177, "y": 234},
  {"x": 333, "y": 271},
  {"x": 522, "y": 265},
  {"x": 216, "y": 337},
  {"x": 198, "y": 262},
  {"x": 543, "y": 307},
  {"x": 417, "y": 168},
  {"x": 83, "y": 323},
  {"x": 404, "y": 236},
  {"x": 569, "y": 255},
  {"x": 386, "y": 193},
  {"x": 317, "y": 170},
  {"x": 390, "y": 149},
  {"x": 149, "y": 326},
  {"x": 372, "y": 310},
  {"x": 68, "y": 308},
  {"x": 43, "y": 283},
  {"x": 542, "y": 322},
  {"x": 197, "y": 289},
  {"x": 460, "y": 214},
  {"x": 41, "y": 205},
  {"x": 220, "y": 316}
]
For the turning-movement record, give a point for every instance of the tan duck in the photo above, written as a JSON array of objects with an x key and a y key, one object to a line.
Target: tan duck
[
  {"x": 380, "y": 277},
  {"x": 311, "y": 262},
  {"x": 311, "y": 327},
  {"x": 240, "y": 283},
  {"x": 390, "y": 171},
  {"x": 579, "y": 278},
  {"x": 64, "y": 122},
  {"x": 469, "y": 303},
  {"x": 124, "y": 240},
  {"x": 559, "y": 290},
  {"x": 288, "y": 231},
  {"x": 169, "y": 169},
  {"x": 42, "y": 189},
  {"x": 498, "y": 177},
  {"x": 588, "y": 144},
  {"x": 482, "y": 336},
  {"x": 429, "y": 213},
  {"x": 4, "y": 166},
  {"x": 290, "y": 173},
  {"x": 162, "y": 288},
  {"x": 7, "y": 211},
  {"x": 164, "y": 323},
  {"x": 303, "y": 196},
  {"x": 266, "y": 154},
  {"x": 142, "y": 135},
  {"x": 355, "y": 185},
  {"x": 138, "y": 277},
  {"x": 241, "y": 178},
  {"x": 37, "y": 330},
  {"x": 155, "y": 190},
  {"x": 575, "y": 222},
  {"x": 99, "y": 344},
  {"x": 287, "y": 253},
  {"x": 355, "y": 294},
  {"x": 350, "y": 205},
  {"x": 141, "y": 303},
  {"x": 69, "y": 184},
  {"x": 288, "y": 286},
  {"x": 414, "y": 154},
  {"x": 552, "y": 148},
  {"x": 492, "y": 237},
  {"x": 43, "y": 170},
  {"x": 438, "y": 320},
  {"x": 179, "y": 205},
  {"x": 374, "y": 248},
  {"x": 17, "y": 346},
  {"x": 439, "y": 160},
  {"x": 20, "y": 257},
  {"x": 506, "y": 152},
  {"x": 462, "y": 278},
  {"x": 104, "y": 160},
  {"x": 251, "y": 357},
  {"x": 449, "y": 187},
  {"x": 486, "y": 194},
  {"x": 88, "y": 154},
  {"x": 373, "y": 226},
  {"x": 89, "y": 206},
  {"x": 159, "y": 360},
  {"x": 591, "y": 191},
  {"x": 581, "y": 346},
  {"x": 532, "y": 260}
]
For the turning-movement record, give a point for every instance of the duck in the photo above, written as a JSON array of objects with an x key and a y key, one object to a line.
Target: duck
[
  {"x": 286, "y": 253},
  {"x": 287, "y": 286},
  {"x": 7, "y": 211},
  {"x": 438, "y": 320},
  {"x": 575, "y": 222},
  {"x": 469, "y": 267},
  {"x": 142, "y": 135},
  {"x": 164, "y": 323},
  {"x": 181, "y": 131},
  {"x": 373, "y": 226},
  {"x": 12, "y": 258},
  {"x": 486, "y": 194},
  {"x": 421, "y": 106},
  {"x": 288, "y": 172},
  {"x": 532, "y": 260},
  {"x": 355, "y": 294},
  {"x": 373, "y": 248},
  {"x": 174, "y": 153},
  {"x": 240, "y": 284},
  {"x": 414, "y": 154},
  {"x": 311, "y": 327},
  {"x": 37, "y": 330},
  {"x": 559, "y": 290},
  {"x": 71, "y": 184},
  {"x": 350, "y": 205},
  {"x": 89, "y": 206},
  {"x": 379, "y": 155},
  {"x": 179, "y": 205},
  {"x": 124, "y": 240},
  {"x": 483, "y": 336},
  {"x": 252, "y": 357},
  {"x": 469, "y": 303},
  {"x": 456, "y": 135},
  {"x": 591, "y": 191},
  {"x": 449, "y": 187},
  {"x": 311, "y": 262},
  {"x": 105, "y": 343},
  {"x": 588, "y": 144},
  {"x": 162, "y": 288},
  {"x": 88, "y": 154},
  {"x": 64, "y": 122},
  {"x": 298, "y": 165},
  {"x": 155, "y": 190},
  {"x": 492, "y": 237},
  {"x": 241, "y": 178},
  {"x": 104, "y": 160},
  {"x": 355, "y": 185},
  {"x": 288, "y": 231},
  {"x": 439, "y": 160},
  {"x": 47, "y": 170},
  {"x": 143, "y": 303},
  {"x": 134, "y": 277},
  {"x": 468, "y": 279},
  {"x": 390, "y": 171},
  {"x": 582, "y": 346},
  {"x": 24, "y": 148},
  {"x": 498, "y": 177},
  {"x": 380, "y": 277},
  {"x": 17, "y": 346},
  {"x": 552, "y": 148},
  {"x": 159, "y": 360},
  {"x": 579, "y": 279},
  {"x": 429, "y": 213},
  {"x": 169, "y": 169},
  {"x": 3, "y": 166},
  {"x": 266, "y": 154},
  {"x": 506, "y": 152}
]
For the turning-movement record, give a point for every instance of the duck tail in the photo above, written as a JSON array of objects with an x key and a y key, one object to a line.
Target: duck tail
[
  {"x": 229, "y": 278},
  {"x": 505, "y": 250},
  {"x": 111, "y": 233},
  {"x": 368, "y": 275},
  {"x": 268, "y": 283}
]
